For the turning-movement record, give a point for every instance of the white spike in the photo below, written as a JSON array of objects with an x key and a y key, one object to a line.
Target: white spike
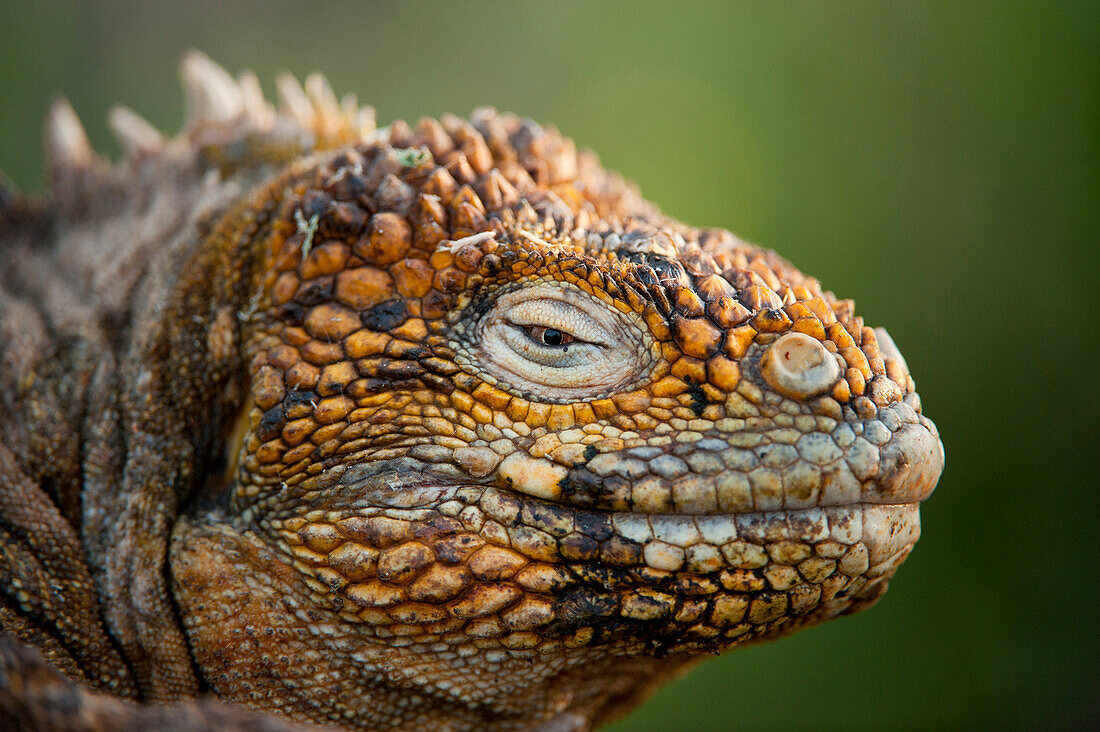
[
  {"x": 66, "y": 142},
  {"x": 256, "y": 107},
  {"x": 320, "y": 94},
  {"x": 136, "y": 136},
  {"x": 293, "y": 101},
  {"x": 349, "y": 107},
  {"x": 212, "y": 94},
  {"x": 360, "y": 120},
  {"x": 368, "y": 123}
]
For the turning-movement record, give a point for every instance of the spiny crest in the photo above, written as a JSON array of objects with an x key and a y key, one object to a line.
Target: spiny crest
[
  {"x": 67, "y": 145},
  {"x": 230, "y": 125},
  {"x": 492, "y": 170}
]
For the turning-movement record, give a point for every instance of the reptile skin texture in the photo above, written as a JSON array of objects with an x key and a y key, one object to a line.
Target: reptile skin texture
[{"x": 308, "y": 422}]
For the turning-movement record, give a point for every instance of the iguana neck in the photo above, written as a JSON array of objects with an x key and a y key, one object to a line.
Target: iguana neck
[{"x": 120, "y": 299}]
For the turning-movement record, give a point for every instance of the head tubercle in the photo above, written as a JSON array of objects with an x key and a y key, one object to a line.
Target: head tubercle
[
  {"x": 384, "y": 259},
  {"x": 382, "y": 250}
]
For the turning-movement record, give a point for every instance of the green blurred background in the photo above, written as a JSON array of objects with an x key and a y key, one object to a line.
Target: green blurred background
[{"x": 936, "y": 162}]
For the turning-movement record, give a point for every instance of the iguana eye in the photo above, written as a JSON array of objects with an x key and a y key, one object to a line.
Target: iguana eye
[
  {"x": 555, "y": 342},
  {"x": 548, "y": 336}
]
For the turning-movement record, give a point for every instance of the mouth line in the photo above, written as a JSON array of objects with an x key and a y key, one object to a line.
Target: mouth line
[
  {"x": 674, "y": 541},
  {"x": 711, "y": 476},
  {"x": 397, "y": 531},
  {"x": 415, "y": 486},
  {"x": 701, "y": 543},
  {"x": 705, "y": 479}
]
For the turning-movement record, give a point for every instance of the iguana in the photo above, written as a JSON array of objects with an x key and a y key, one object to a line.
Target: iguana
[{"x": 432, "y": 427}]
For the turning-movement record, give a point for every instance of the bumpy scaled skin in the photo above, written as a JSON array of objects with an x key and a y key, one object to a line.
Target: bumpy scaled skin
[{"x": 437, "y": 427}]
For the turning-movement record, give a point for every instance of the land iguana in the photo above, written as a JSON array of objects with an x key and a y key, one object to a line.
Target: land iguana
[{"x": 432, "y": 427}]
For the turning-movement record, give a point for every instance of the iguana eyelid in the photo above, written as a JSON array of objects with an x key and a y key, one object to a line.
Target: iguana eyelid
[
  {"x": 576, "y": 317},
  {"x": 533, "y": 332},
  {"x": 602, "y": 357}
]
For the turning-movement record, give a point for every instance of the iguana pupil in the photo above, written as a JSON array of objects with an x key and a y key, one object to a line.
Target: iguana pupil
[{"x": 549, "y": 336}]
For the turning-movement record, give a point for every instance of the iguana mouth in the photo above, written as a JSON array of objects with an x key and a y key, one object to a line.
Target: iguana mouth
[
  {"x": 690, "y": 543},
  {"x": 391, "y": 535},
  {"x": 700, "y": 506},
  {"x": 428, "y": 558}
]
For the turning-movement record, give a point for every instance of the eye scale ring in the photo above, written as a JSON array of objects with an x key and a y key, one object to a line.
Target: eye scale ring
[
  {"x": 798, "y": 366},
  {"x": 550, "y": 341}
]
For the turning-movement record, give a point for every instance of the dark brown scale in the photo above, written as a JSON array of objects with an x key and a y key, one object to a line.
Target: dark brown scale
[
  {"x": 657, "y": 295},
  {"x": 621, "y": 552},
  {"x": 291, "y": 313},
  {"x": 601, "y": 577},
  {"x": 394, "y": 194},
  {"x": 400, "y": 134},
  {"x": 459, "y": 167},
  {"x": 314, "y": 203},
  {"x": 578, "y": 547},
  {"x": 297, "y": 398},
  {"x": 435, "y": 304},
  {"x": 349, "y": 187},
  {"x": 395, "y": 370},
  {"x": 315, "y": 292},
  {"x": 645, "y": 275},
  {"x": 670, "y": 273},
  {"x": 553, "y": 518},
  {"x": 385, "y": 316},
  {"x": 386, "y": 162},
  {"x": 344, "y": 221},
  {"x": 497, "y": 191}
]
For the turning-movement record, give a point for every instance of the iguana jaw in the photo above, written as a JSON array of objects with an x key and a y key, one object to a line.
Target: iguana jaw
[{"x": 413, "y": 544}]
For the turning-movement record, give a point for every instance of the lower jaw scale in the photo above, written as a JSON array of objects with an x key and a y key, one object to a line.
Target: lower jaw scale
[
  {"x": 705, "y": 544},
  {"x": 712, "y": 579}
]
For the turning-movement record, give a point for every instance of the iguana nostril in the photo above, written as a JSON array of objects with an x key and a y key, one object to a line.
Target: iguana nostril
[{"x": 798, "y": 366}]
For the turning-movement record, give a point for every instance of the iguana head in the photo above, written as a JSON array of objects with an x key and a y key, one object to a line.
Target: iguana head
[{"x": 509, "y": 441}]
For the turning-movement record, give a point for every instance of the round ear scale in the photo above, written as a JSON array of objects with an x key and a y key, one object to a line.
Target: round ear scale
[{"x": 798, "y": 366}]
